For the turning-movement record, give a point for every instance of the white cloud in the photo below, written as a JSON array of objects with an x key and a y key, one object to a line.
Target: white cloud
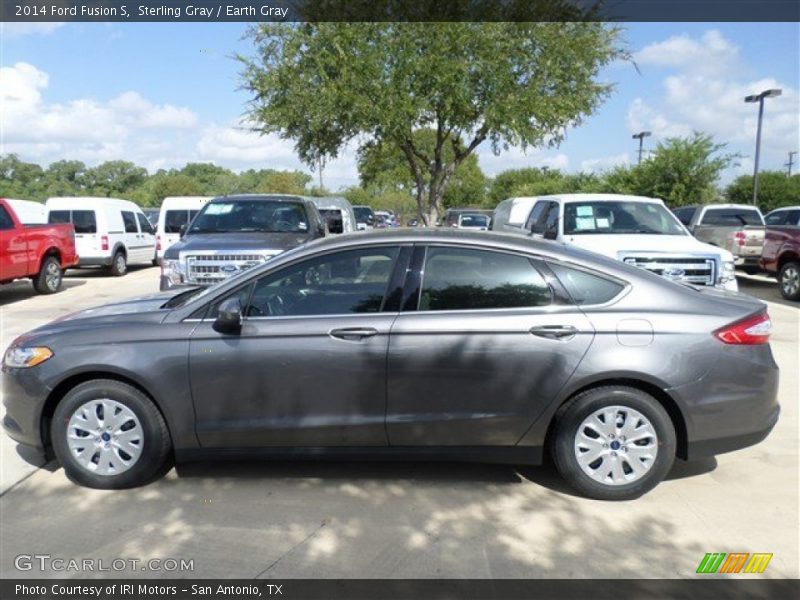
[
  {"x": 21, "y": 29},
  {"x": 712, "y": 53},
  {"x": 516, "y": 158},
  {"x": 596, "y": 165}
]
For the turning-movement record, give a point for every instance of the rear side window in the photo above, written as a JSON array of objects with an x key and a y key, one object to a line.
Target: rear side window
[
  {"x": 732, "y": 217},
  {"x": 684, "y": 215},
  {"x": 5, "y": 219},
  {"x": 174, "y": 220},
  {"x": 467, "y": 279},
  {"x": 585, "y": 287},
  {"x": 84, "y": 221},
  {"x": 130, "y": 222}
]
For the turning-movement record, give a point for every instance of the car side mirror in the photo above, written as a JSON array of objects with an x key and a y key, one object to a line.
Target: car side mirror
[
  {"x": 229, "y": 317},
  {"x": 183, "y": 229},
  {"x": 322, "y": 229}
]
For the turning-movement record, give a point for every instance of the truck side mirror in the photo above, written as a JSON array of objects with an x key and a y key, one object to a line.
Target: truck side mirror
[
  {"x": 229, "y": 317},
  {"x": 183, "y": 229}
]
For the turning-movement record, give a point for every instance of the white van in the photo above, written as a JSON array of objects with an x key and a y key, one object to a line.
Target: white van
[
  {"x": 510, "y": 215},
  {"x": 176, "y": 211},
  {"x": 29, "y": 213},
  {"x": 109, "y": 232}
]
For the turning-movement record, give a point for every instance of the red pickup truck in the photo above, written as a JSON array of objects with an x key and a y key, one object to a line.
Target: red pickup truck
[
  {"x": 39, "y": 252},
  {"x": 781, "y": 255}
]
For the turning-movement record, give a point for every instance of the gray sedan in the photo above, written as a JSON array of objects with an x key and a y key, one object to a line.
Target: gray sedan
[{"x": 425, "y": 344}]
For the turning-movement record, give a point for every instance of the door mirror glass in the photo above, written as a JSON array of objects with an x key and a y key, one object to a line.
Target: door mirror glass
[
  {"x": 229, "y": 316},
  {"x": 183, "y": 229}
]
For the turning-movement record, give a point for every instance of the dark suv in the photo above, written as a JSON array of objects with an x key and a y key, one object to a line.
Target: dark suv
[{"x": 233, "y": 233}]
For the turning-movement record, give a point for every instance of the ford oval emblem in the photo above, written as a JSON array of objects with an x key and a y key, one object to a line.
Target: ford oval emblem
[
  {"x": 229, "y": 268},
  {"x": 673, "y": 273}
]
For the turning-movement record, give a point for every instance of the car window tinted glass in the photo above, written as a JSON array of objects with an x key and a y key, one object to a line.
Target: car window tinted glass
[
  {"x": 732, "y": 217},
  {"x": 779, "y": 217},
  {"x": 5, "y": 219},
  {"x": 793, "y": 218},
  {"x": 242, "y": 216},
  {"x": 130, "y": 222},
  {"x": 242, "y": 294},
  {"x": 584, "y": 287},
  {"x": 535, "y": 216},
  {"x": 603, "y": 217},
  {"x": 352, "y": 281},
  {"x": 333, "y": 218},
  {"x": 174, "y": 220},
  {"x": 58, "y": 216},
  {"x": 83, "y": 221},
  {"x": 462, "y": 278},
  {"x": 473, "y": 221},
  {"x": 144, "y": 224},
  {"x": 684, "y": 215}
]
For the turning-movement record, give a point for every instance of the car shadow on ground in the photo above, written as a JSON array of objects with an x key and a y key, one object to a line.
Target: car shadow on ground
[
  {"x": 23, "y": 290},
  {"x": 101, "y": 272},
  {"x": 763, "y": 288}
]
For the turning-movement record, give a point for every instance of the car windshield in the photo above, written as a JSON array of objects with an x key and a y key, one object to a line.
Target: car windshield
[
  {"x": 473, "y": 220},
  {"x": 242, "y": 216},
  {"x": 598, "y": 217}
]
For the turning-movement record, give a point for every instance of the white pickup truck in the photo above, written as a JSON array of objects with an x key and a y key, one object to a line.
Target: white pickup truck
[{"x": 637, "y": 230}]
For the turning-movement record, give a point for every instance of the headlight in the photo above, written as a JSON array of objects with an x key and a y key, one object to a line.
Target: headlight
[
  {"x": 171, "y": 269},
  {"x": 23, "y": 358},
  {"x": 727, "y": 272}
]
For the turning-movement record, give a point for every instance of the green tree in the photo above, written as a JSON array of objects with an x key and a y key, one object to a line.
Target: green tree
[
  {"x": 775, "y": 189},
  {"x": 20, "y": 179},
  {"x": 64, "y": 178},
  {"x": 324, "y": 84},
  {"x": 114, "y": 178}
]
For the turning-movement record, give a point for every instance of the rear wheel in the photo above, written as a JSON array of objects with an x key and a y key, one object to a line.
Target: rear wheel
[
  {"x": 50, "y": 276},
  {"x": 789, "y": 280},
  {"x": 109, "y": 435},
  {"x": 613, "y": 443},
  {"x": 119, "y": 264}
]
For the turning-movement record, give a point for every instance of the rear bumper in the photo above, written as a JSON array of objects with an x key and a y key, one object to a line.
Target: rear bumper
[
  {"x": 704, "y": 448},
  {"x": 88, "y": 261}
]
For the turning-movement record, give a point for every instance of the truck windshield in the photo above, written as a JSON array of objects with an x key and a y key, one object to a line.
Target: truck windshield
[
  {"x": 242, "y": 216},
  {"x": 473, "y": 221},
  {"x": 598, "y": 217}
]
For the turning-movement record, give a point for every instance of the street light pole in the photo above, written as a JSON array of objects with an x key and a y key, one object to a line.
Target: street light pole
[
  {"x": 640, "y": 136},
  {"x": 760, "y": 99},
  {"x": 790, "y": 163}
]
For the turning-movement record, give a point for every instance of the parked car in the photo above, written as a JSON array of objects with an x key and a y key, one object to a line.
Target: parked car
[
  {"x": 637, "y": 230},
  {"x": 174, "y": 217},
  {"x": 337, "y": 213},
  {"x": 381, "y": 344},
  {"x": 231, "y": 234},
  {"x": 365, "y": 217},
  {"x": 109, "y": 232},
  {"x": 28, "y": 212},
  {"x": 387, "y": 217},
  {"x": 413, "y": 222},
  {"x": 451, "y": 215},
  {"x": 738, "y": 228},
  {"x": 474, "y": 221},
  {"x": 781, "y": 255},
  {"x": 39, "y": 252}
]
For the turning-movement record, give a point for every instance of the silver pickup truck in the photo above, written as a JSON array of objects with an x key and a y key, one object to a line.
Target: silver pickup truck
[{"x": 738, "y": 228}]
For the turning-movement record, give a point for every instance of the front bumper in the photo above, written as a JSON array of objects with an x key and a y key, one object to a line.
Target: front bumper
[{"x": 24, "y": 396}]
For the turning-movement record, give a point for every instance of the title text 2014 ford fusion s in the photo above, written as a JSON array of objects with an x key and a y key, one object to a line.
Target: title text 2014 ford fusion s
[{"x": 434, "y": 344}]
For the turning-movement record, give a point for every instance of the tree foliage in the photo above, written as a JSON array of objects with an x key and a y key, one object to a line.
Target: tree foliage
[
  {"x": 325, "y": 84},
  {"x": 775, "y": 189}
]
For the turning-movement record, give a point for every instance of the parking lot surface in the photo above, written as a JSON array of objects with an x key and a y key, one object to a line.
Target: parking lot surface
[{"x": 397, "y": 519}]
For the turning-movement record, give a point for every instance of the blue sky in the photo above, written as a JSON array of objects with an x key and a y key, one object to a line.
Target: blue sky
[{"x": 164, "y": 94}]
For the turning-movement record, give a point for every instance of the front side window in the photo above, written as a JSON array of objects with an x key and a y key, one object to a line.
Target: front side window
[
  {"x": 468, "y": 279},
  {"x": 174, "y": 220},
  {"x": 353, "y": 281},
  {"x": 130, "y": 222},
  {"x": 732, "y": 217},
  {"x": 144, "y": 224},
  {"x": 619, "y": 216},
  {"x": 793, "y": 218},
  {"x": 779, "y": 217},
  {"x": 244, "y": 216},
  {"x": 5, "y": 219},
  {"x": 536, "y": 214}
]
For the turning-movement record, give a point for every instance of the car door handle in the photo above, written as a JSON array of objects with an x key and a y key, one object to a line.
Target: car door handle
[
  {"x": 353, "y": 334},
  {"x": 554, "y": 332}
]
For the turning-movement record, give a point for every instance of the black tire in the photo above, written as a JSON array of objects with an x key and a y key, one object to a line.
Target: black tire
[
  {"x": 789, "y": 289},
  {"x": 119, "y": 264},
  {"x": 569, "y": 419},
  {"x": 155, "y": 457},
  {"x": 50, "y": 276},
  {"x": 751, "y": 270}
]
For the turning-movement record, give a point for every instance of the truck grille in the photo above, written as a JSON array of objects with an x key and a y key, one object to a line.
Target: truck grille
[
  {"x": 207, "y": 269},
  {"x": 696, "y": 270}
]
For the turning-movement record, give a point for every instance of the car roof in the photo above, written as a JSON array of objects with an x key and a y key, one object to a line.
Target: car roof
[
  {"x": 599, "y": 198},
  {"x": 265, "y": 197},
  {"x": 715, "y": 205}
]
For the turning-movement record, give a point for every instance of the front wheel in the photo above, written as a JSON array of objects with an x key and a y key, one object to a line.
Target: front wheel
[
  {"x": 109, "y": 435},
  {"x": 613, "y": 443},
  {"x": 50, "y": 276},
  {"x": 789, "y": 280}
]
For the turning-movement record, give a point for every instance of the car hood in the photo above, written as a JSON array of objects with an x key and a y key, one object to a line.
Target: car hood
[
  {"x": 612, "y": 245},
  {"x": 225, "y": 242}
]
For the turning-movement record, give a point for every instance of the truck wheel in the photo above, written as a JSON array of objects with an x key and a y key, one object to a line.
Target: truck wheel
[
  {"x": 789, "y": 281},
  {"x": 751, "y": 270},
  {"x": 50, "y": 276},
  {"x": 613, "y": 443},
  {"x": 119, "y": 264},
  {"x": 109, "y": 435}
]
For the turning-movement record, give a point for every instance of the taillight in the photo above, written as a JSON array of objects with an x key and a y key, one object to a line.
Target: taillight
[
  {"x": 747, "y": 332},
  {"x": 740, "y": 237},
  {"x": 104, "y": 242},
  {"x": 158, "y": 242}
]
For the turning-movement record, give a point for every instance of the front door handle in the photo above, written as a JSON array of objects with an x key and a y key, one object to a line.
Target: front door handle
[
  {"x": 554, "y": 332},
  {"x": 353, "y": 334}
]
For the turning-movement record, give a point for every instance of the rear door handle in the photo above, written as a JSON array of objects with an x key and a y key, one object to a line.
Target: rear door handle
[
  {"x": 353, "y": 334},
  {"x": 554, "y": 332}
]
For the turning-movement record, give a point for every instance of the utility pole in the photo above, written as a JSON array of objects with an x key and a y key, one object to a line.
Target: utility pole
[
  {"x": 790, "y": 163},
  {"x": 640, "y": 136},
  {"x": 760, "y": 99}
]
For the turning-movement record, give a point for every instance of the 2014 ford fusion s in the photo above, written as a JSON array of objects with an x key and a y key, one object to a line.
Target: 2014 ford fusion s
[{"x": 424, "y": 344}]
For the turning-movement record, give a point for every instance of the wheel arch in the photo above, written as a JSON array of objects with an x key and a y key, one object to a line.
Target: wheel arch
[
  {"x": 787, "y": 256},
  {"x": 51, "y": 251}
]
